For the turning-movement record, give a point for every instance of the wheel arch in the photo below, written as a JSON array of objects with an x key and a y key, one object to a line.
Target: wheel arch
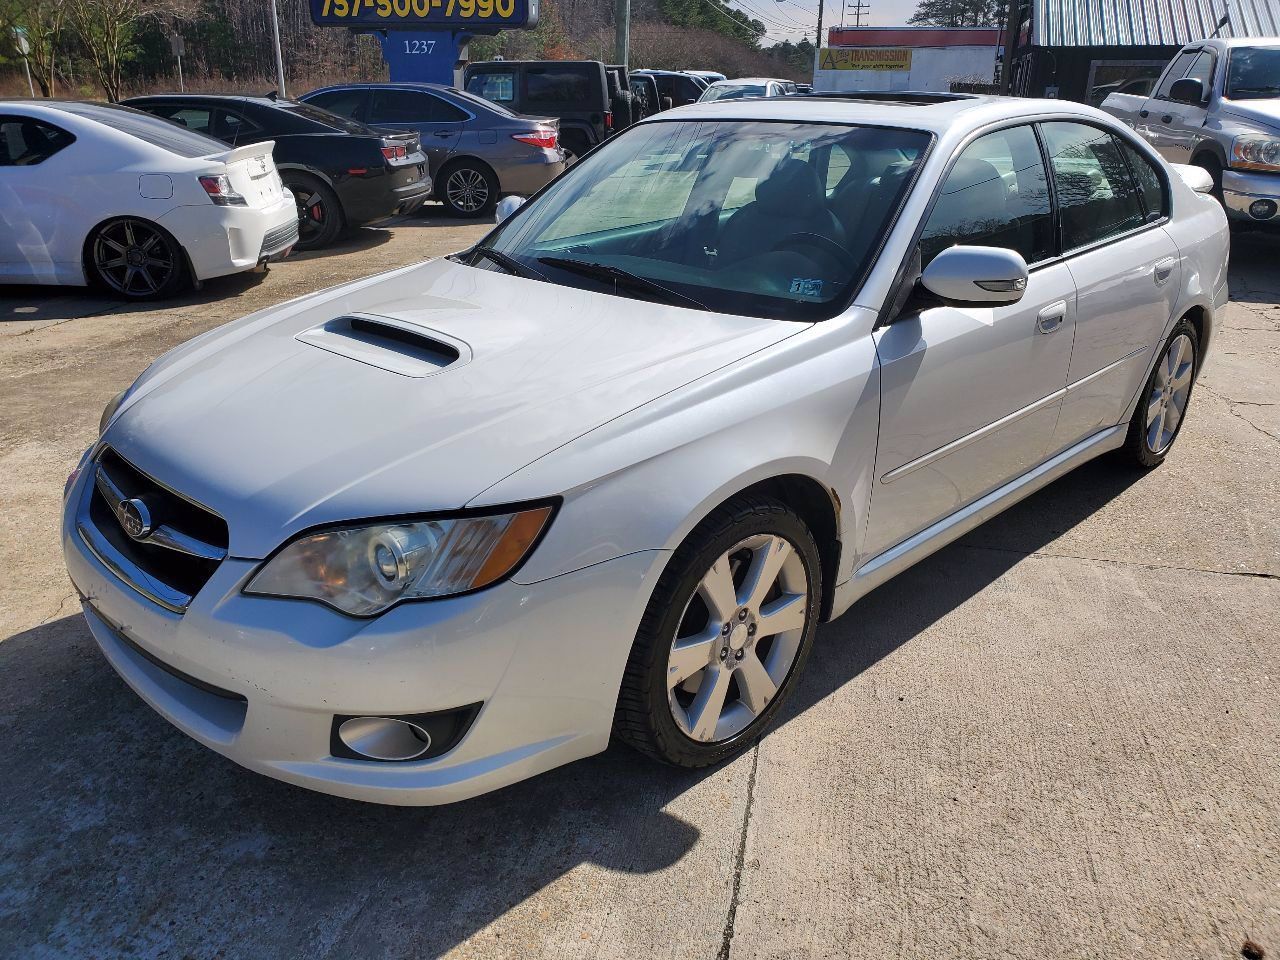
[
  {"x": 307, "y": 169},
  {"x": 461, "y": 158}
]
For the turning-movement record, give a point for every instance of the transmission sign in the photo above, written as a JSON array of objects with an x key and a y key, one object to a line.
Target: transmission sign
[
  {"x": 488, "y": 15},
  {"x": 864, "y": 58}
]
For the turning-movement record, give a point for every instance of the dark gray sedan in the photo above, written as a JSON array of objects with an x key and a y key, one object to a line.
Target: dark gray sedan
[{"x": 478, "y": 151}]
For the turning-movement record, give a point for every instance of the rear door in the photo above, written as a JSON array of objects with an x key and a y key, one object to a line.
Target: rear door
[
  {"x": 438, "y": 124},
  {"x": 1112, "y": 201},
  {"x": 970, "y": 395}
]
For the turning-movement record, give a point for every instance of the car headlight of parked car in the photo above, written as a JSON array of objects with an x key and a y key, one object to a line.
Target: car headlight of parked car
[
  {"x": 1254, "y": 152},
  {"x": 365, "y": 570}
]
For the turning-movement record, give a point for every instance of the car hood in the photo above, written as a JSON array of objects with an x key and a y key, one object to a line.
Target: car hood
[
  {"x": 1264, "y": 113},
  {"x": 282, "y": 421}
]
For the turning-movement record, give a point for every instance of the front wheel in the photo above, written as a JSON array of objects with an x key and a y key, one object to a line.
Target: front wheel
[
  {"x": 724, "y": 637},
  {"x": 1163, "y": 405}
]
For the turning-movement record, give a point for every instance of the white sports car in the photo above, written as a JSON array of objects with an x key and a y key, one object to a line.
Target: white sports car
[
  {"x": 103, "y": 194},
  {"x": 601, "y": 475}
]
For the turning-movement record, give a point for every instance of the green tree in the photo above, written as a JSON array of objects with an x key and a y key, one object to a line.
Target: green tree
[{"x": 960, "y": 13}]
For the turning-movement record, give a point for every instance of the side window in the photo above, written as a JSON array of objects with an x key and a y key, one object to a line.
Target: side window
[
  {"x": 25, "y": 142},
  {"x": 199, "y": 119},
  {"x": 444, "y": 112},
  {"x": 1177, "y": 70},
  {"x": 494, "y": 87},
  {"x": 1150, "y": 183},
  {"x": 345, "y": 103},
  {"x": 1202, "y": 69},
  {"x": 400, "y": 106},
  {"x": 1096, "y": 196},
  {"x": 558, "y": 85},
  {"x": 996, "y": 195}
]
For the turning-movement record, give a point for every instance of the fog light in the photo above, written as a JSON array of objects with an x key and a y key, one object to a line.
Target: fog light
[{"x": 1262, "y": 209}]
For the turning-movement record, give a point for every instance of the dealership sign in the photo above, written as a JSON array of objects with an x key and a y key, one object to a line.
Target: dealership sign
[
  {"x": 864, "y": 58},
  {"x": 469, "y": 15}
]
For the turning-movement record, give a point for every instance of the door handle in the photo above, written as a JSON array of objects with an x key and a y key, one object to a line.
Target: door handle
[
  {"x": 1164, "y": 270},
  {"x": 443, "y": 133},
  {"x": 1144, "y": 114},
  {"x": 1050, "y": 318},
  {"x": 1167, "y": 118}
]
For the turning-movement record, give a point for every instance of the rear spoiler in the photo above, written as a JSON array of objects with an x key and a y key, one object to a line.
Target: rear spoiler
[{"x": 262, "y": 149}]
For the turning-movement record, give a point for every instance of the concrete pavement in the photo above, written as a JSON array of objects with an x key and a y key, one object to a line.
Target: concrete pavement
[{"x": 1058, "y": 737}]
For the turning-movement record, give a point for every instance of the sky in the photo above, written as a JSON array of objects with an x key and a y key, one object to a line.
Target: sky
[{"x": 794, "y": 19}]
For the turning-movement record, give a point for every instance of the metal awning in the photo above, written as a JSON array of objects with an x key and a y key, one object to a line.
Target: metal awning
[{"x": 1154, "y": 23}]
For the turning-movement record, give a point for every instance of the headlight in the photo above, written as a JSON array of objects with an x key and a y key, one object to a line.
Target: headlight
[
  {"x": 368, "y": 569},
  {"x": 1254, "y": 152},
  {"x": 110, "y": 409}
]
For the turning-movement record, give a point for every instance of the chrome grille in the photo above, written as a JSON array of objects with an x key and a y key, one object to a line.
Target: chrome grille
[{"x": 158, "y": 542}]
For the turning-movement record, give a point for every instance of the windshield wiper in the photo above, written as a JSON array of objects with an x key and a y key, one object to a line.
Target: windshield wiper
[
  {"x": 624, "y": 278},
  {"x": 508, "y": 263}
]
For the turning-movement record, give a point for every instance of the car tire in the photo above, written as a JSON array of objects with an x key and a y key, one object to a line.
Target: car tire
[
  {"x": 467, "y": 189},
  {"x": 135, "y": 259},
  {"x": 674, "y": 723},
  {"x": 1210, "y": 164},
  {"x": 320, "y": 217},
  {"x": 1162, "y": 405}
]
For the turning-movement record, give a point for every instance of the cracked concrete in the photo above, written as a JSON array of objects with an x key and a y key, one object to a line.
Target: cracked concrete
[{"x": 1056, "y": 738}]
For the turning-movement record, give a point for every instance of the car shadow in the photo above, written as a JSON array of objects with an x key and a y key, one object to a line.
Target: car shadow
[
  {"x": 353, "y": 240},
  {"x": 125, "y": 838}
]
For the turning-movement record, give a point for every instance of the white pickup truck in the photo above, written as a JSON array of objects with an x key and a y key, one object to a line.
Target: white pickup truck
[{"x": 1217, "y": 106}]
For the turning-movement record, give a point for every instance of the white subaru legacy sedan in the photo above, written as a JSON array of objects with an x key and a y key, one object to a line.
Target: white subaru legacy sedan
[
  {"x": 95, "y": 193},
  {"x": 601, "y": 476}
]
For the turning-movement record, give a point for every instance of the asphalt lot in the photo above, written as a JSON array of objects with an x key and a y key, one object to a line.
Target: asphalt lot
[{"x": 1056, "y": 738}]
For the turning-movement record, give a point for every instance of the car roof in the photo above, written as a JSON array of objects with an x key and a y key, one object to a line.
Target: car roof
[
  {"x": 746, "y": 80},
  {"x": 934, "y": 112},
  {"x": 1234, "y": 43},
  {"x": 379, "y": 85},
  {"x": 229, "y": 97}
]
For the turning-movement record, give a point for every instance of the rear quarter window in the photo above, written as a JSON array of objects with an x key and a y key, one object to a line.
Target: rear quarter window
[{"x": 554, "y": 85}]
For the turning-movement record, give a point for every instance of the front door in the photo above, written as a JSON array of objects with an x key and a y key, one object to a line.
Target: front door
[
  {"x": 1172, "y": 127},
  {"x": 970, "y": 396}
]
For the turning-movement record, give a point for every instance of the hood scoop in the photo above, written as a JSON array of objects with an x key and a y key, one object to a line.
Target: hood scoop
[{"x": 389, "y": 344}]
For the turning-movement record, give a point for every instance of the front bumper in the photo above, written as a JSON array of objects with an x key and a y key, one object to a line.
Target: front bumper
[
  {"x": 1241, "y": 189},
  {"x": 260, "y": 680},
  {"x": 223, "y": 240}
]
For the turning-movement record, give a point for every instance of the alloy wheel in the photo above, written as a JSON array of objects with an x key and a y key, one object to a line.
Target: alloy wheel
[
  {"x": 312, "y": 213},
  {"x": 738, "y": 638},
  {"x": 467, "y": 190},
  {"x": 133, "y": 258},
  {"x": 1169, "y": 394}
]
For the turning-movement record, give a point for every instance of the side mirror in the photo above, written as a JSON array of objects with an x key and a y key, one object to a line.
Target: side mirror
[
  {"x": 976, "y": 276},
  {"x": 1188, "y": 90},
  {"x": 507, "y": 206}
]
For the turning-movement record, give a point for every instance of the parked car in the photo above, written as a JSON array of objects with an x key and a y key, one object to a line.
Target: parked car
[
  {"x": 92, "y": 193},
  {"x": 602, "y": 475},
  {"x": 707, "y": 76},
  {"x": 679, "y": 88},
  {"x": 644, "y": 95},
  {"x": 746, "y": 87},
  {"x": 1217, "y": 106},
  {"x": 341, "y": 174},
  {"x": 478, "y": 150},
  {"x": 576, "y": 92}
]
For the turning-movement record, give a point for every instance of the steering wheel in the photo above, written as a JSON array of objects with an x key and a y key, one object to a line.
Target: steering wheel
[{"x": 815, "y": 240}]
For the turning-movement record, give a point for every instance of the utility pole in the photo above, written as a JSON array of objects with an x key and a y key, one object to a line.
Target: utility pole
[
  {"x": 622, "y": 32},
  {"x": 1012, "y": 22},
  {"x": 275, "y": 36},
  {"x": 818, "y": 45}
]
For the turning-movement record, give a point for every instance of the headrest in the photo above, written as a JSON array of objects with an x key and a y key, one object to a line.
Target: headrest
[{"x": 791, "y": 190}]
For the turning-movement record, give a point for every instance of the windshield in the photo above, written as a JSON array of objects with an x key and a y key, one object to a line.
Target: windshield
[
  {"x": 730, "y": 92},
  {"x": 764, "y": 219},
  {"x": 1254, "y": 73}
]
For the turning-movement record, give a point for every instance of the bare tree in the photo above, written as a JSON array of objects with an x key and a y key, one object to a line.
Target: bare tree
[
  {"x": 40, "y": 21},
  {"x": 106, "y": 30}
]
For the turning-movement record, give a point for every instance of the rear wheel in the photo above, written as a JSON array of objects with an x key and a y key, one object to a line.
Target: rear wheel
[
  {"x": 468, "y": 189},
  {"x": 320, "y": 219},
  {"x": 1159, "y": 417},
  {"x": 135, "y": 259},
  {"x": 726, "y": 633}
]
